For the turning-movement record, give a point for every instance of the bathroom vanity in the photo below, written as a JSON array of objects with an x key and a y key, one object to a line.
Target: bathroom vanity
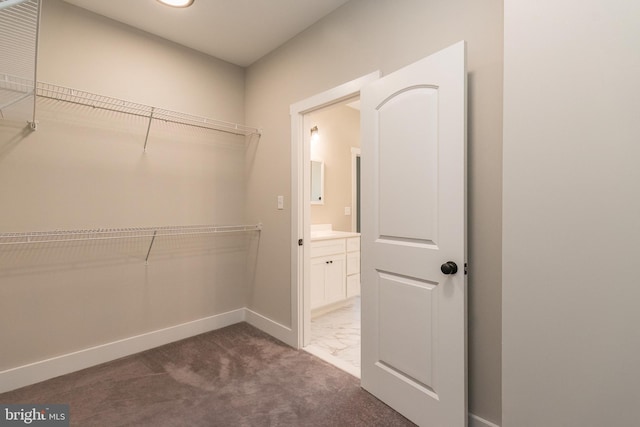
[{"x": 335, "y": 266}]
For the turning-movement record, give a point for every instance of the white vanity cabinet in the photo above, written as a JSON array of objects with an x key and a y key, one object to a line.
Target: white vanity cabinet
[
  {"x": 328, "y": 282},
  {"x": 353, "y": 266},
  {"x": 335, "y": 268}
]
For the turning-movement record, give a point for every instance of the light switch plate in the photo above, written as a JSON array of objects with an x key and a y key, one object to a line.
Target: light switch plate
[
  {"x": 347, "y": 210},
  {"x": 280, "y": 202}
]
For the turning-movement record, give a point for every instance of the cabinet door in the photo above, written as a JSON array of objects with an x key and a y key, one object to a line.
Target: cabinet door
[
  {"x": 335, "y": 279},
  {"x": 318, "y": 273}
]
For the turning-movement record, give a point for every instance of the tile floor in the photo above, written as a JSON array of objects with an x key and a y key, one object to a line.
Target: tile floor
[{"x": 335, "y": 337}]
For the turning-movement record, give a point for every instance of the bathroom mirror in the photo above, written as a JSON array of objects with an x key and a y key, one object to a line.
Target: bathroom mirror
[{"x": 317, "y": 182}]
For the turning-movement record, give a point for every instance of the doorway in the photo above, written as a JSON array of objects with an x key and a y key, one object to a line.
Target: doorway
[
  {"x": 414, "y": 294},
  {"x": 301, "y": 197},
  {"x": 334, "y": 148}
]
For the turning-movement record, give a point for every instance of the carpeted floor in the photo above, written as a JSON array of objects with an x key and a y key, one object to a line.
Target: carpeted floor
[{"x": 235, "y": 376}]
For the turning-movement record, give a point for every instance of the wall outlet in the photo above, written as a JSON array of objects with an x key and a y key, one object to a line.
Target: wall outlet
[{"x": 347, "y": 210}]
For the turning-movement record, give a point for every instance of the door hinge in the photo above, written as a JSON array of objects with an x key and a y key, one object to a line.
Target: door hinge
[
  {"x": 465, "y": 268},
  {"x": 300, "y": 242}
]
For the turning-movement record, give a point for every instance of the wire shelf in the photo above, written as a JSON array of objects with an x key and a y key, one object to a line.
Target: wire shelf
[
  {"x": 13, "y": 89},
  {"x": 60, "y": 236},
  {"x": 114, "y": 234},
  {"x": 79, "y": 97},
  {"x": 108, "y": 103},
  {"x": 19, "y": 28},
  {"x": 19, "y": 22}
]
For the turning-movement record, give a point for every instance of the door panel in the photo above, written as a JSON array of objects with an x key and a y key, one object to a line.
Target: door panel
[
  {"x": 408, "y": 144},
  {"x": 413, "y": 221},
  {"x": 405, "y": 325}
]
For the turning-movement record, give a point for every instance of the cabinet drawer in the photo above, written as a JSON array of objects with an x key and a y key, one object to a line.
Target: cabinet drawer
[
  {"x": 353, "y": 244},
  {"x": 327, "y": 247}
]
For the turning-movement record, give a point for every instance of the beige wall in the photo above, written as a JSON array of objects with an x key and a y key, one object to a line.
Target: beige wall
[
  {"x": 339, "y": 128},
  {"x": 571, "y": 214},
  {"x": 361, "y": 37},
  {"x": 86, "y": 169}
]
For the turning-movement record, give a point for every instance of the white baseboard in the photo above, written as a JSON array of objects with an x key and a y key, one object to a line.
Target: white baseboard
[
  {"x": 476, "y": 421},
  {"x": 21, "y": 376},
  {"x": 275, "y": 329}
]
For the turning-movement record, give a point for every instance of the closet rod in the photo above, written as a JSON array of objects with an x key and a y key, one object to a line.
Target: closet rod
[{"x": 58, "y": 236}]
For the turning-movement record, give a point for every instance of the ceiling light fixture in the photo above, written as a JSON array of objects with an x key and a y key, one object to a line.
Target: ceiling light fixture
[{"x": 177, "y": 3}]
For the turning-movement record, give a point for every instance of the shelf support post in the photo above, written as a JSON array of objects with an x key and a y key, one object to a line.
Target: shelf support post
[
  {"x": 33, "y": 125},
  {"x": 146, "y": 138},
  {"x": 146, "y": 261}
]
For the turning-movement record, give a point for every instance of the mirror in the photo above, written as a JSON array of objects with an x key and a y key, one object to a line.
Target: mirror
[{"x": 317, "y": 182}]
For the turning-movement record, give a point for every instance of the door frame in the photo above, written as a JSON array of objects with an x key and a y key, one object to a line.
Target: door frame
[
  {"x": 300, "y": 199},
  {"x": 355, "y": 211}
]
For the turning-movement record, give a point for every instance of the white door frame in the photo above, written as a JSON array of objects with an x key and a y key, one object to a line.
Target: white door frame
[
  {"x": 300, "y": 199},
  {"x": 355, "y": 154}
]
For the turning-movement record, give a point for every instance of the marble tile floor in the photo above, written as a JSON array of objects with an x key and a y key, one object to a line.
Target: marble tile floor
[{"x": 335, "y": 337}]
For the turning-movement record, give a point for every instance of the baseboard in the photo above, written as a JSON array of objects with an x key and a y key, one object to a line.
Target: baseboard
[
  {"x": 21, "y": 376},
  {"x": 476, "y": 421},
  {"x": 275, "y": 329}
]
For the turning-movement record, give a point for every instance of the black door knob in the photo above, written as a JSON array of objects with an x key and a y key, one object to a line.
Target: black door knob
[{"x": 449, "y": 267}]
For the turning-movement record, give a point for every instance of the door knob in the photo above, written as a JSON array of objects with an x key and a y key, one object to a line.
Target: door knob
[{"x": 449, "y": 267}]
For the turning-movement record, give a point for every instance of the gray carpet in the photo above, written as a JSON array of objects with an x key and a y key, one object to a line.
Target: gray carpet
[{"x": 235, "y": 376}]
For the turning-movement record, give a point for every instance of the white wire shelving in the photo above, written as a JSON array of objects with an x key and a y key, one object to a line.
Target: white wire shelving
[
  {"x": 15, "y": 89},
  {"x": 151, "y": 233},
  {"x": 88, "y": 99},
  {"x": 19, "y": 28}
]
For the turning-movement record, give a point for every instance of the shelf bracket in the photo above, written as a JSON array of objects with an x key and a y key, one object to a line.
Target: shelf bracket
[
  {"x": 146, "y": 138},
  {"x": 153, "y": 238}
]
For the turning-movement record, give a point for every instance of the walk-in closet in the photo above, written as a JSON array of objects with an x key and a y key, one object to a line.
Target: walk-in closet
[{"x": 123, "y": 161}]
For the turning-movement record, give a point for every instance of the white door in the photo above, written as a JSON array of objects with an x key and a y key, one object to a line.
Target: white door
[{"x": 413, "y": 224}]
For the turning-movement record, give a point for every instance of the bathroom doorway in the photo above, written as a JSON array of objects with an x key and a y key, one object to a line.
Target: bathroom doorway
[
  {"x": 334, "y": 147},
  {"x": 301, "y": 127}
]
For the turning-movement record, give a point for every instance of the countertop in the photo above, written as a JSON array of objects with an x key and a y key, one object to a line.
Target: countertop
[{"x": 327, "y": 235}]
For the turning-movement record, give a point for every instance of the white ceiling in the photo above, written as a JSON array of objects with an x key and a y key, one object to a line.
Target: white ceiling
[{"x": 237, "y": 31}]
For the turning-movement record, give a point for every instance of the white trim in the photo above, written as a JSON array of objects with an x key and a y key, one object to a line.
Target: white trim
[
  {"x": 300, "y": 206},
  {"x": 32, "y": 373},
  {"x": 476, "y": 421},
  {"x": 355, "y": 153},
  {"x": 271, "y": 327}
]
